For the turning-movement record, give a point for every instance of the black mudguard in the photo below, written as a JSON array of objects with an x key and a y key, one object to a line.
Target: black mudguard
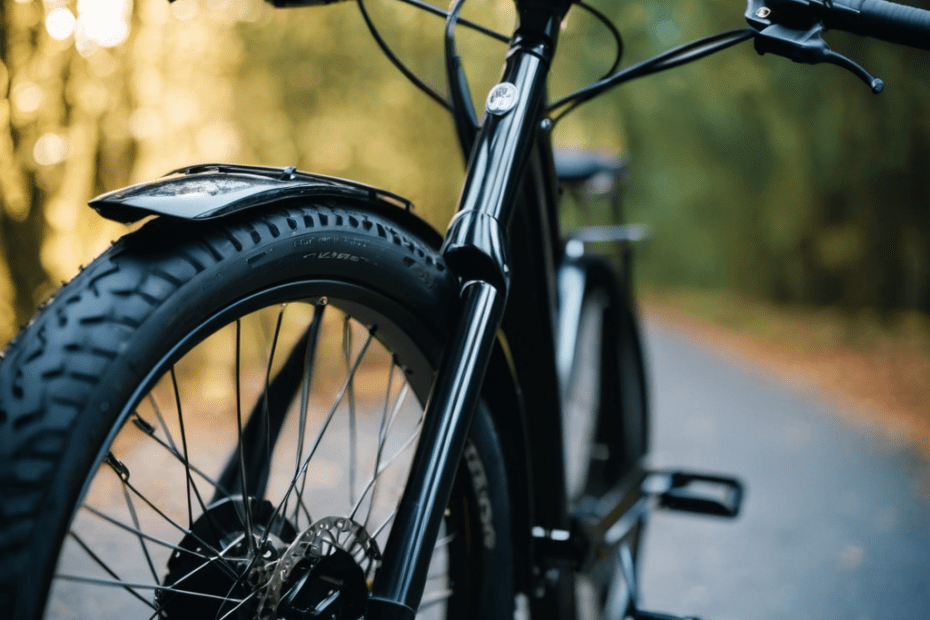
[{"x": 210, "y": 191}]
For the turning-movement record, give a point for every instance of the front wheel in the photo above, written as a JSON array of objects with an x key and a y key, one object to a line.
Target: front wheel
[{"x": 217, "y": 421}]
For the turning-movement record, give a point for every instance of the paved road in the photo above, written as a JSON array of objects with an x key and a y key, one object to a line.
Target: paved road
[{"x": 837, "y": 519}]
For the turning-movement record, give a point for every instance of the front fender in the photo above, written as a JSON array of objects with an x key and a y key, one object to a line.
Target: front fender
[{"x": 209, "y": 191}]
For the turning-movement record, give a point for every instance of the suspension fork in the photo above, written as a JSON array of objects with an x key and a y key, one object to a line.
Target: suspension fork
[{"x": 475, "y": 250}]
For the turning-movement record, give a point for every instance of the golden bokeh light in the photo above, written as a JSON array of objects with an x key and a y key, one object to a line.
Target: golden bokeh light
[
  {"x": 105, "y": 22},
  {"x": 27, "y": 96},
  {"x": 51, "y": 149},
  {"x": 60, "y": 23}
]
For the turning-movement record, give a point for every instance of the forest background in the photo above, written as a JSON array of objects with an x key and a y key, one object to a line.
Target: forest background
[{"x": 755, "y": 175}]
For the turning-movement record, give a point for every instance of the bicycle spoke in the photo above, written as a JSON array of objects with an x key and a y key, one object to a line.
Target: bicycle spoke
[
  {"x": 241, "y": 603},
  {"x": 387, "y": 422},
  {"x": 302, "y": 472},
  {"x": 434, "y": 598},
  {"x": 191, "y": 486},
  {"x": 144, "y": 586},
  {"x": 444, "y": 541},
  {"x": 353, "y": 431},
  {"x": 313, "y": 337},
  {"x": 300, "y": 505},
  {"x": 381, "y": 527},
  {"x": 383, "y": 428},
  {"x": 172, "y": 448},
  {"x": 266, "y": 408},
  {"x": 135, "y": 521},
  {"x": 149, "y": 430},
  {"x": 262, "y": 428},
  {"x": 161, "y": 420},
  {"x": 142, "y": 424},
  {"x": 106, "y": 568},
  {"x": 203, "y": 565},
  {"x": 123, "y": 474},
  {"x": 386, "y": 419},
  {"x": 235, "y": 585},
  {"x": 140, "y": 533},
  {"x": 247, "y": 509},
  {"x": 207, "y": 559},
  {"x": 373, "y": 482},
  {"x": 383, "y": 432},
  {"x": 177, "y": 398}
]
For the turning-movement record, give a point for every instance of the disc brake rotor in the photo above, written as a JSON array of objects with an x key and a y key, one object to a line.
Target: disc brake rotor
[{"x": 324, "y": 573}]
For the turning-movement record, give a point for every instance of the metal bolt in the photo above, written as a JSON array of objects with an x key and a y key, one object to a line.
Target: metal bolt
[{"x": 763, "y": 12}]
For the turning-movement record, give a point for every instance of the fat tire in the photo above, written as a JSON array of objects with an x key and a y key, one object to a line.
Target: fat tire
[{"x": 66, "y": 380}]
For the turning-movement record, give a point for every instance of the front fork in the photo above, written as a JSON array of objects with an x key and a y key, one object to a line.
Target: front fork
[{"x": 475, "y": 250}]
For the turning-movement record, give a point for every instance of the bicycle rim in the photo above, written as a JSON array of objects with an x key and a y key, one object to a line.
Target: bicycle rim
[{"x": 164, "y": 529}]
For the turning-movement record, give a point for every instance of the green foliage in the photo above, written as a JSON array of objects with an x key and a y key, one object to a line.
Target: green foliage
[{"x": 779, "y": 180}]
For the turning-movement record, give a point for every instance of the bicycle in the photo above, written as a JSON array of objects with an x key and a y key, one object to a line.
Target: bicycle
[{"x": 464, "y": 493}]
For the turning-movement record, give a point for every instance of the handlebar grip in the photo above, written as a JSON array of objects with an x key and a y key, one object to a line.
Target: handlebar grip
[{"x": 888, "y": 21}]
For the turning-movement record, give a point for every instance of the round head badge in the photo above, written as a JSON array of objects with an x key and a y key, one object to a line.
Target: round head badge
[{"x": 502, "y": 98}]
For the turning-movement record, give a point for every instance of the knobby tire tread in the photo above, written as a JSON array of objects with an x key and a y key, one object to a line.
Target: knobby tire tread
[{"x": 52, "y": 370}]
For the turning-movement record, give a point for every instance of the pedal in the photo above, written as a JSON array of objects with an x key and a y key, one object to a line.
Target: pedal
[{"x": 707, "y": 494}]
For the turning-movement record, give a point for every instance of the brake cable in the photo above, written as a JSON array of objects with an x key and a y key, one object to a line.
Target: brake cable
[
  {"x": 397, "y": 62},
  {"x": 670, "y": 59},
  {"x": 614, "y": 32},
  {"x": 403, "y": 68}
]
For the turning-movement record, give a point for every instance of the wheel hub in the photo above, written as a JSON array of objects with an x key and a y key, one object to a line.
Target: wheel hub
[
  {"x": 215, "y": 569},
  {"x": 321, "y": 573}
]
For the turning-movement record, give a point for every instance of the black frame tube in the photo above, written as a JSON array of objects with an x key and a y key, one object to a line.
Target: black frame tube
[
  {"x": 475, "y": 250},
  {"x": 475, "y": 244}
]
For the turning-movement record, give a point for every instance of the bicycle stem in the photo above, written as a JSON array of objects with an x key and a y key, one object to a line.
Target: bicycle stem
[{"x": 475, "y": 251}]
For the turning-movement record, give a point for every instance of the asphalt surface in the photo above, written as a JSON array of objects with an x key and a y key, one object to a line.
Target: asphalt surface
[{"x": 836, "y": 521}]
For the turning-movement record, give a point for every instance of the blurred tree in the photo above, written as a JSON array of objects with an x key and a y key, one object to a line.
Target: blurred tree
[
  {"x": 783, "y": 181},
  {"x": 61, "y": 87},
  {"x": 85, "y": 109},
  {"x": 21, "y": 219}
]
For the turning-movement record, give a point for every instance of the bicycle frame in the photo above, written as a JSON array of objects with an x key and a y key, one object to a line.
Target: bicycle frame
[
  {"x": 513, "y": 138},
  {"x": 505, "y": 250}
]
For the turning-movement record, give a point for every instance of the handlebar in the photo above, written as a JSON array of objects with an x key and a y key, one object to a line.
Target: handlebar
[
  {"x": 888, "y": 21},
  {"x": 794, "y": 28}
]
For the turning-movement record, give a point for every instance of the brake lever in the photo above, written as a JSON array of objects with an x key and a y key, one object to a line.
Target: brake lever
[{"x": 800, "y": 42}]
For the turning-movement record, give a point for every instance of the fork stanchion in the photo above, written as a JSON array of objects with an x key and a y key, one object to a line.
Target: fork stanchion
[{"x": 449, "y": 413}]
